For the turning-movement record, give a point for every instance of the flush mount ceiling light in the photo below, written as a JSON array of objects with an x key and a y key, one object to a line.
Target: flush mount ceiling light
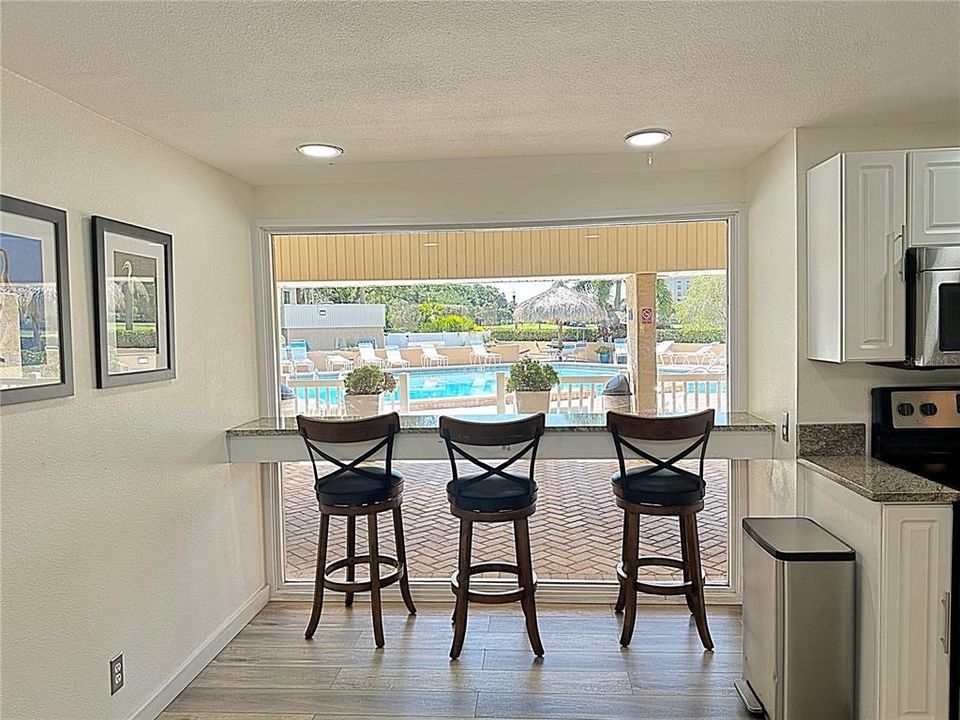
[
  {"x": 648, "y": 137},
  {"x": 319, "y": 150},
  {"x": 431, "y": 244}
]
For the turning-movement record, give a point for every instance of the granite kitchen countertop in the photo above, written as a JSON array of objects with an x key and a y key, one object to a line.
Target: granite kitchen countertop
[
  {"x": 556, "y": 422},
  {"x": 878, "y": 481}
]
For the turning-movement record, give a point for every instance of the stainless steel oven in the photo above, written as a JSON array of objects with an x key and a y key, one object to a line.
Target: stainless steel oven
[{"x": 933, "y": 306}]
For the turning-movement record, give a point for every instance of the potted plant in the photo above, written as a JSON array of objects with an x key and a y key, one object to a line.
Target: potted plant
[
  {"x": 603, "y": 352},
  {"x": 530, "y": 382},
  {"x": 364, "y": 388}
]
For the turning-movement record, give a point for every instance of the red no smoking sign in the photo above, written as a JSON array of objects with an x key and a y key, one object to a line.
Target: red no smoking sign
[{"x": 646, "y": 315}]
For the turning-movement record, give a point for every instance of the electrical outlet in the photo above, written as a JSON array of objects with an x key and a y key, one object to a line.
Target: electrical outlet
[{"x": 116, "y": 674}]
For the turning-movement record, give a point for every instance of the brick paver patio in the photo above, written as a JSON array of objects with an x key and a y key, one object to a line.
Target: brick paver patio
[{"x": 575, "y": 532}]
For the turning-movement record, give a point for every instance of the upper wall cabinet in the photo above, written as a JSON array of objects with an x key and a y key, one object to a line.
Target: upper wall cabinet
[
  {"x": 934, "y": 197},
  {"x": 856, "y": 296}
]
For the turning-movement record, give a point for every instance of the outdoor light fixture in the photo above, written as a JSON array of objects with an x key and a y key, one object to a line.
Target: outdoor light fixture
[
  {"x": 319, "y": 150},
  {"x": 431, "y": 244},
  {"x": 648, "y": 137}
]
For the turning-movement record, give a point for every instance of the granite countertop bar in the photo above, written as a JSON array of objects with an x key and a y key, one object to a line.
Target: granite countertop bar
[
  {"x": 556, "y": 422},
  {"x": 878, "y": 481}
]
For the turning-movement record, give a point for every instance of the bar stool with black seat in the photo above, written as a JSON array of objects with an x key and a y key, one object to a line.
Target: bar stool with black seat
[
  {"x": 660, "y": 488},
  {"x": 352, "y": 489},
  {"x": 495, "y": 493}
]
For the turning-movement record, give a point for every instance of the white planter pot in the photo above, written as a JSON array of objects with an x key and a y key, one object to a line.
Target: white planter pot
[
  {"x": 532, "y": 402},
  {"x": 364, "y": 405}
]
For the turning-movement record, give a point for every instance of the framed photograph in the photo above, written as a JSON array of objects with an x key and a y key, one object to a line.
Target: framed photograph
[
  {"x": 134, "y": 303},
  {"x": 36, "y": 356}
]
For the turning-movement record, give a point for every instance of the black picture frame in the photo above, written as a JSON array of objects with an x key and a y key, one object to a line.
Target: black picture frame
[
  {"x": 57, "y": 218},
  {"x": 108, "y": 374}
]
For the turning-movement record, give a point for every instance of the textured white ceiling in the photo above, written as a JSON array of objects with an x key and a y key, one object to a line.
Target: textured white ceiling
[{"x": 240, "y": 84}]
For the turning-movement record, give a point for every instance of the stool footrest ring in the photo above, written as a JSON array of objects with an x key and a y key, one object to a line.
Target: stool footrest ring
[
  {"x": 362, "y": 586},
  {"x": 491, "y": 597},
  {"x": 659, "y": 587}
]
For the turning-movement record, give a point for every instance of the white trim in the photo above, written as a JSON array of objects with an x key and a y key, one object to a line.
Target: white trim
[
  {"x": 367, "y": 225},
  {"x": 202, "y": 656},
  {"x": 737, "y": 315},
  {"x": 273, "y": 535},
  {"x": 265, "y": 322}
]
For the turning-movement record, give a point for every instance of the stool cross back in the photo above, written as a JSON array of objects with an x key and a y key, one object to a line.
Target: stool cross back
[
  {"x": 496, "y": 492},
  {"x": 354, "y": 488},
  {"x": 660, "y": 488}
]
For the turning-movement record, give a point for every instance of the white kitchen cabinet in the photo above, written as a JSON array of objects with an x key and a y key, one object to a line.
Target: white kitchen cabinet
[
  {"x": 856, "y": 295},
  {"x": 934, "y": 186},
  {"x": 903, "y": 576}
]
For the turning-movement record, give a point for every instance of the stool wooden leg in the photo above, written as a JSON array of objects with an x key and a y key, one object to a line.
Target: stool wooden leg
[
  {"x": 373, "y": 543},
  {"x": 629, "y": 586},
  {"x": 521, "y": 536},
  {"x": 402, "y": 557},
  {"x": 463, "y": 587},
  {"x": 351, "y": 553},
  {"x": 622, "y": 596},
  {"x": 685, "y": 554},
  {"x": 688, "y": 525},
  {"x": 321, "y": 571}
]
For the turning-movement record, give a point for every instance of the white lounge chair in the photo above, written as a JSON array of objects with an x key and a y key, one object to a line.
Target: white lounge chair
[
  {"x": 481, "y": 356},
  {"x": 368, "y": 356},
  {"x": 664, "y": 357},
  {"x": 339, "y": 362},
  {"x": 431, "y": 358},
  {"x": 573, "y": 350},
  {"x": 298, "y": 356},
  {"x": 394, "y": 358}
]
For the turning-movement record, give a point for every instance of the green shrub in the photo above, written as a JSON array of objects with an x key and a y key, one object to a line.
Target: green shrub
[
  {"x": 692, "y": 334},
  {"x": 447, "y": 323},
  {"x": 528, "y": 375},
  {"x": 136, "y": 338},
  {"x": 368, "y": 380}
]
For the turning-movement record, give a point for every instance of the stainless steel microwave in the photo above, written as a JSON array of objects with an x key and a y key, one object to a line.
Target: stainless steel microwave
[{"x": 933, "y": 306}]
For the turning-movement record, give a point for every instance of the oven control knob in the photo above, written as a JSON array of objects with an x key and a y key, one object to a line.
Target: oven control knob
[
  {"x": 905, "y": 409},
  {"x": 928, "y": 409}
]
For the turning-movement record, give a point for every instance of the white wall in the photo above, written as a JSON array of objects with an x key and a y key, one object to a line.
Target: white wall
[
  {"x": 771, "y": 220},
  {"x": 841, "y": 393},
  {"x": 123, "y": 528},
  {"x": 503, "y": 198}
]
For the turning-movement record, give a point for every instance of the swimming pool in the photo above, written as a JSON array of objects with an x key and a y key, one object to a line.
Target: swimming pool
[{"x": 440, "y": 383}]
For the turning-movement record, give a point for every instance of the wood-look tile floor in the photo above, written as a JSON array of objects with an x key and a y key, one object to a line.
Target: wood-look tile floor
[{"x": 269, "y": 672}]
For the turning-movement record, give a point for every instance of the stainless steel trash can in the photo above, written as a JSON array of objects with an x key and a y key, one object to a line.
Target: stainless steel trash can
[{"x": 798, "y": 620}]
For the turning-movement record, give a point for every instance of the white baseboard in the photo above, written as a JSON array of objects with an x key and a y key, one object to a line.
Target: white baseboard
[{"x": 207, "y": 651}]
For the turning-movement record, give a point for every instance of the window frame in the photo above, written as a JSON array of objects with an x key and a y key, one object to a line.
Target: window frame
[{"x": 266, "y": 312}]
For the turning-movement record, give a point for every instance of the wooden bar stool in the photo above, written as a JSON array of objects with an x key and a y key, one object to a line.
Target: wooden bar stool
[
  {"x": 660, "y": 488},
  {"x": 354, "y": 489},
  {"x": 493, "y": 494}
]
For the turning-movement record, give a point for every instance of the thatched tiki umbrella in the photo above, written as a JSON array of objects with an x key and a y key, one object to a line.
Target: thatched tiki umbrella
[{"x": 561, "y": 305}]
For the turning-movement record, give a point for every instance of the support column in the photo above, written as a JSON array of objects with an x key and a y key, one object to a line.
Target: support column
[{"x": 642, "y": 340}]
